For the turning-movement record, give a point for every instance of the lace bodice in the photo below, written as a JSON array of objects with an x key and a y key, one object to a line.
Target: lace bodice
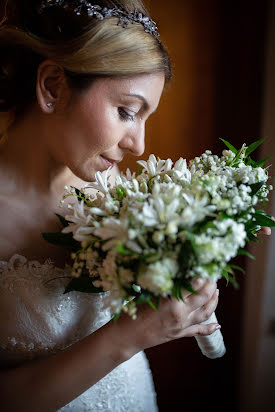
[{"x": 37, "y": 319}]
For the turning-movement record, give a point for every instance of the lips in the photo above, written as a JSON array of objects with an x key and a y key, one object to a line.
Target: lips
[{"x": 109, "y": 162}]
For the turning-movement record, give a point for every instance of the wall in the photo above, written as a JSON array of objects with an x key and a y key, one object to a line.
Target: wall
[{"x": 258, "y": 365}]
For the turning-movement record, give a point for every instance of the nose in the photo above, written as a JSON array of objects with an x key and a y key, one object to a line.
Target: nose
[{"x": 133, "y": 141}]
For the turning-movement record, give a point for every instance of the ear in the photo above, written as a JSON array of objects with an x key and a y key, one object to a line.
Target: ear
[{"x": 52, "y": 89}]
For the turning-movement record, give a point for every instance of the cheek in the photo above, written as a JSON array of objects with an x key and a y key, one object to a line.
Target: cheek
[{"x": 100, "y": 126}]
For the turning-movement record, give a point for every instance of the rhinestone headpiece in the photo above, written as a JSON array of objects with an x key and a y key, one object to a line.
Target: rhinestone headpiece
[{"x": 101, "y": 13}]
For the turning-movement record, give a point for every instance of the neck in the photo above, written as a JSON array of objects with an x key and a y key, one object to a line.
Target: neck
[{"x": 26, "y": 163}]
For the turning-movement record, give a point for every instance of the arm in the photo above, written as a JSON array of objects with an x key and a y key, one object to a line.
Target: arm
[{"x": 49, "y": 383}]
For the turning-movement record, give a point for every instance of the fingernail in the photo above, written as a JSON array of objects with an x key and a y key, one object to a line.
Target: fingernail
[
  {"x": 217, "y": 292},
  {"x": 218, "y": 327}
]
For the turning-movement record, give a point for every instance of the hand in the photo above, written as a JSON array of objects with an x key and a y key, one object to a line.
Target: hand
[{"x": 174, "y": 319}]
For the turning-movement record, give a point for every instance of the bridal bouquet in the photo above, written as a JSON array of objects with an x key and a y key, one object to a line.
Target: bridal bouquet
[{"x": 151, "y": 233}]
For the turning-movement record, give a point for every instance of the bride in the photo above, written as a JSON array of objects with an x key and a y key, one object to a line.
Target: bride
[{"x": 78, "y": 82}]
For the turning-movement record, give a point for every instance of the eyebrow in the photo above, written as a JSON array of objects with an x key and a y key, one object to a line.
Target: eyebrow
[{"x": 146, "y": 105}]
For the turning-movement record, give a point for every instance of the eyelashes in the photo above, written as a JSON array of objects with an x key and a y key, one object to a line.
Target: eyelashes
[{"x": 125, "y": 116}]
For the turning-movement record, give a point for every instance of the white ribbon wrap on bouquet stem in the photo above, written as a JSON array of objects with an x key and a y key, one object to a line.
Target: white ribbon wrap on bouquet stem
[{"x": 211, "y": 346}]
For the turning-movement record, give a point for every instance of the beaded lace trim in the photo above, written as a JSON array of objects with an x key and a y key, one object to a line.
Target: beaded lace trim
[{"x": 41, "y": 318}]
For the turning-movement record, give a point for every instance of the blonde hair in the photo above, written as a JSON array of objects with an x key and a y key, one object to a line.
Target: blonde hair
[{"x": 100, "y": 48}]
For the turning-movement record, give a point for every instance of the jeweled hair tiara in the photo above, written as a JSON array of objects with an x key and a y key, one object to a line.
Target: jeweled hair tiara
[{"x": 101, "y": 13}]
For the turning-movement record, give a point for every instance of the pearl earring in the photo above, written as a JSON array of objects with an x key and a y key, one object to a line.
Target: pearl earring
[{"x": 49, "y": 104}]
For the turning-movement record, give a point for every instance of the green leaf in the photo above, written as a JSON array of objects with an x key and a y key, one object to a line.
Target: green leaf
[
  {"x": 246, "y": 253},
  {"x": 252, "y": 237},
  {"x": 229, "y": 145},
  {"x": 62, "y": 220},
  {"x": 116, "y": 316},
  {"x": 80, "y": 195},
  {"x": 230, "y": 278},
  {"x": 236, "y": 158},
  {"x": 261, "y": 163},
  {"x": 255, "y": 187},
  {"x": 229, "y": 269},
  {"x": 150, "y": 303},
  {"x": 125, "y": 252},
  {"x": 62, "y": 239},
  {"x": 250, "y": 162},
  {"x": 264, "y": 220},
  {"x": 254, "y": 146},
  {"x": 177, "y": 291},
  {"x": 82, "y": 284},
  {"x": 236, "y": 267},
  {"x": 144, "y": 297},
  {"x": 226, "y": 276}
]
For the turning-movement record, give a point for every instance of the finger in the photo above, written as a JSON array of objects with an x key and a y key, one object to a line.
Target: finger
[
  {"x": 196, "y": 285},
  {"x": 265, "y": 231},
  {"x": 203, "y": 313},
  {"x": 201, "y": 330},
  {"x": 204, "y": 295}
]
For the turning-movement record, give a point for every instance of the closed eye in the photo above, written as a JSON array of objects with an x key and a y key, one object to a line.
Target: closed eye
[{"x": 125, "y": 116}]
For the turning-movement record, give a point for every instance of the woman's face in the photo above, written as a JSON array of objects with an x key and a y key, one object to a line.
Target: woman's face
[{"x": 105, "y": 122}]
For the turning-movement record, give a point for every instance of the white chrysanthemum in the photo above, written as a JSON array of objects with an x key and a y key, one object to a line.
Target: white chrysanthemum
[{"x": 158, "y": 277}]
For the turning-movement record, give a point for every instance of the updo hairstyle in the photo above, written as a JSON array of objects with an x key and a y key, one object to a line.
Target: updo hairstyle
[{"x": 87, "y": 48}]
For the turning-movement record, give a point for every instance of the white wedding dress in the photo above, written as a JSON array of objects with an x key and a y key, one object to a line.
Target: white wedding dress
[{"x": 37, "y": 319}]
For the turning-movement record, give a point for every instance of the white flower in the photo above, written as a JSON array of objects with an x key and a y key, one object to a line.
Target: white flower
[
  {"x": 102, "y": 182},
  {"x": 80, "y": 222},
  {"x": 181, "y": 171},
  {"x": 156, "y": 211},
  {"x": 152, "y": 166},
  {"x": 158, "y": 277},
  {"x": 116, "y": 230},
  {"x": 126, "y": 276},
  {"x": 153, "y": 216},
  {"x": 196, "y": 209},
  {"x": 221, "y": 242}
]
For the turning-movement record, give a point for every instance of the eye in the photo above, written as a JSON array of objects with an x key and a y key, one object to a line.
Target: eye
[{"x": 125, "y": 116}]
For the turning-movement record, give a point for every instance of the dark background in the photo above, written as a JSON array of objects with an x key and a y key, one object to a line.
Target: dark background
[{"x": 218, "y": 54}]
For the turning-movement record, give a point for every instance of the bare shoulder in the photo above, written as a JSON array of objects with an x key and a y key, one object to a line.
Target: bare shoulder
[{"x": 9, "y": 229}]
